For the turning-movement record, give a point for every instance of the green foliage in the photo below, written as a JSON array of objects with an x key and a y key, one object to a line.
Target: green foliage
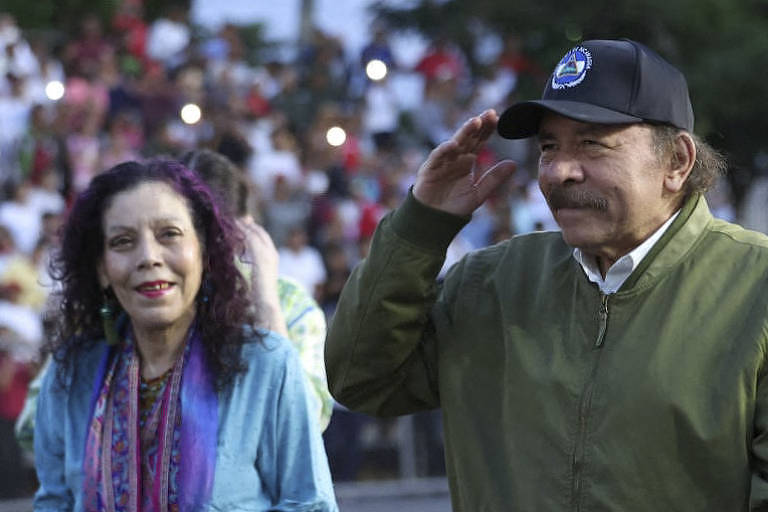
[
  {"x": 65, "y": 15},
  {"x": 154, "y": 9},
  {"x": 720, "y": 45}
]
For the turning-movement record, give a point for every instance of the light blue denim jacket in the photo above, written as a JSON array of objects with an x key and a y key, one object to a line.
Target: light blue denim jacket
[{"x": 270, "y": 454}]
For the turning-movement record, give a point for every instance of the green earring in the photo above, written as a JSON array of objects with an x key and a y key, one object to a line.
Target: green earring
[{"x": 107, "y": 313}]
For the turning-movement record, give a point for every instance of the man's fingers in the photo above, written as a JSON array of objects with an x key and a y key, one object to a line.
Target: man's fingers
[
  {"x": 468, "y": 131},
  {"x": 489, "y": 120},
  {"x": 476, "y": 130},
  {"x": 494, "y": 177},
  {"x": 448, "y": 165},
  {"x": 442, "y": 159},
  {"x": 467, "y": 139},
  {"x": 456, "y": 157}
]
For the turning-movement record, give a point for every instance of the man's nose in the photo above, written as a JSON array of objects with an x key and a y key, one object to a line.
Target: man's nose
[{"x": 561, "y": 168}]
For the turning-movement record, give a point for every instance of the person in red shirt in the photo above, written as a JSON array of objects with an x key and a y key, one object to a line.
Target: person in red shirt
[{"x": 14, "y": 379}]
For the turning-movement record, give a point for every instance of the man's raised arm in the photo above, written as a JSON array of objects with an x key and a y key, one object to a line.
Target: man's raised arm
[{"x": 381, "y": 348}]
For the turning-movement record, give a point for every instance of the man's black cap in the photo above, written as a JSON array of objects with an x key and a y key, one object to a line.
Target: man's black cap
[{"x": 606, "y": 82}]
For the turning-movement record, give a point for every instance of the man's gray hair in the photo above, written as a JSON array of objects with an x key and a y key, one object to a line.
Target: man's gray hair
[{"x": 708, "y": 167}]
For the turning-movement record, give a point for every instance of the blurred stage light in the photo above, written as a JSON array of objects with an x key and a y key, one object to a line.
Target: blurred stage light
[
  {"x": 376, "y": 70},
  {"x": 336, "y": 136},
  {"x": 191, "y": 113},
  {"x": 54, "y": 90}
]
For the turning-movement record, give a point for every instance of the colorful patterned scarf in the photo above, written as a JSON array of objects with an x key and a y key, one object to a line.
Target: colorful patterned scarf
[{"x": 181, "y": 457}]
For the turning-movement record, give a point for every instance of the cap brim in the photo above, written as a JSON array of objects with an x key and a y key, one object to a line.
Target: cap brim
[{"x": 522, "y": 119}]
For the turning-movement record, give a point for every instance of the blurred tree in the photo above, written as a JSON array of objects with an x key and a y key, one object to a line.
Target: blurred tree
[
  {"x": 720, "y": 45},
  {"x": 65, "y": 15}
]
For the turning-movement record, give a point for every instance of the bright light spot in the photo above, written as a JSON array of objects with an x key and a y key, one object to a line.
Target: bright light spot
[
  {"x": 336, "y": 136},
  {"x": 376, "y": 70},
  {"x": 191, "y": 113},
  {"x": 54, "y": 90}
]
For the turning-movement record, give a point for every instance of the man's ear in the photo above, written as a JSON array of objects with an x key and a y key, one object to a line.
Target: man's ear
[{"x": 680, "y": 164}]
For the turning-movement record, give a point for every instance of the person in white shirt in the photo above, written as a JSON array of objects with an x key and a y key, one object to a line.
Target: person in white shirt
[{"x": 302, "y": 261}]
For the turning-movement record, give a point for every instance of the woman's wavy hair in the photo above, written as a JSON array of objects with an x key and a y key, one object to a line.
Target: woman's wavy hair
[{"x": 223, "y": 305}]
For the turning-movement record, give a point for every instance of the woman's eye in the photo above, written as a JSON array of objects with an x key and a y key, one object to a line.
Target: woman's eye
[
  {"x": 170, "y": 233},
  {"x": 121, "y": 241}
]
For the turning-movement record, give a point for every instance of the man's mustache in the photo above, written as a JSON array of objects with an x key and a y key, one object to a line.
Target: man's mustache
[{"x": 560, "y": 197}]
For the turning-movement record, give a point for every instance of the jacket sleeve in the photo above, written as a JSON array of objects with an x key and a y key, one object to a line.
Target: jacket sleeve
[
  {"x": 292, "y": 459},
  {"x": 759, "y": 487},
  {"x": 53, "y": 493},
  {"x": 381, "y": 348}
]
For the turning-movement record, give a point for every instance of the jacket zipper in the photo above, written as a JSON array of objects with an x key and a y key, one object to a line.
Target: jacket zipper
[
  {"x": 602, "y": 315},
  {"x": 577, "y": 461}
]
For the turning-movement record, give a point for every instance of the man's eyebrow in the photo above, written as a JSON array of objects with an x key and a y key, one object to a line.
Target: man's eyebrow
[
  {"x": 587, "y": 130},
  {"x": 596, "y": 129},
  {"x": 544, "y": 134}
]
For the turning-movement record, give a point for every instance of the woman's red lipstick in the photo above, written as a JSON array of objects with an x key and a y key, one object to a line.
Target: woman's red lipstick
[{"x": 154, "y": 289}]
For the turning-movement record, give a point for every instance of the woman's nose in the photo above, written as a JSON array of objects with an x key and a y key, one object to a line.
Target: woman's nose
[{"x": 148, "y": 253}]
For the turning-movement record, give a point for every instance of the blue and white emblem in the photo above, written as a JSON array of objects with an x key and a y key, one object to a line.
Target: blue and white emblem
[{"x": 572, "y": 68}]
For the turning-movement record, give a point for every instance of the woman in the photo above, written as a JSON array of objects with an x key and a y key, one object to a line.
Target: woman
[{"x": 159, "y": 398}]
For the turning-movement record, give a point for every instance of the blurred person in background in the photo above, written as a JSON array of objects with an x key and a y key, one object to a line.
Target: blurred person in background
[
  {"x": 167, "y": 398},
  {"x": 43, "y": 156},
  {"x": 280, "y": 160},
  {"x": 16, "y": 370},
  {"x": 15, "y": 110},
  {"x": 168, "y": 37},
  {"x": 117, "y": 145},
  {"x": 83, "y": 56},
  {"x": 131, "y": 28},
  {"x": 21, "y": 300},
  {"x": 378, "y": 48},
  {"x": 338, "y": 268},
  {"x": 302, "y": 320},
  {"x": 381, "y": 114},
  {"x": 287, "y": 207},
  {"x": 301, "y": 261},
  {"x": 21, "y": 217}
]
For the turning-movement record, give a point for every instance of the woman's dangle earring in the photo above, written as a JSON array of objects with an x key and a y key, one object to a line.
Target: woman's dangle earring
[
  {"x": 107, "y": 312},
  {"x": 205, "y": 290}
]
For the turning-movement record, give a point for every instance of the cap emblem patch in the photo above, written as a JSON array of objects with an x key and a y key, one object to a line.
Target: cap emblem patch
[{"x": 572, "y": 68}]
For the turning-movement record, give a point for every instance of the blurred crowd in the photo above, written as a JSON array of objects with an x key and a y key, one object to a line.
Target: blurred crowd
[{"x": 71, "y": 107}]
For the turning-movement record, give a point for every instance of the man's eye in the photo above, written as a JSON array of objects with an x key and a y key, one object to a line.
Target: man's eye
[{"x": 546, "y": 147}]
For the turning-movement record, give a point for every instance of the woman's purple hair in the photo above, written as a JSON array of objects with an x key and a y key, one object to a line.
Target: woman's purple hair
[{"x": 223, "y": 305}]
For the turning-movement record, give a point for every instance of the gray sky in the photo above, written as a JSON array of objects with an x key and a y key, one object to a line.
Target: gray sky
[
  {"x": 343, "y": 18},
  {"x": 346, "y": 19}
]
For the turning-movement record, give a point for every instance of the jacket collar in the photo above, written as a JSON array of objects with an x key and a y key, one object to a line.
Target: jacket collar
[{"x": 673, "y": 246}]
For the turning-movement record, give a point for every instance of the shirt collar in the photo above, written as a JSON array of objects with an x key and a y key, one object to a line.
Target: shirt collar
[{"x": 624, "y": 266}]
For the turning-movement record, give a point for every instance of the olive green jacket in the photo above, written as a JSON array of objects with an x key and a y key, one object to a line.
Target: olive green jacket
[{"x": 554, "y": 396}]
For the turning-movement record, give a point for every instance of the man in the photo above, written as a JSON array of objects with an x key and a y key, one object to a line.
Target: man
[{"x": 616, "y": 365}]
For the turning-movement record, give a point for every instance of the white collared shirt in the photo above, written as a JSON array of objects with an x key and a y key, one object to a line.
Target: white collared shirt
[{"x": 624, "y": 266}]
